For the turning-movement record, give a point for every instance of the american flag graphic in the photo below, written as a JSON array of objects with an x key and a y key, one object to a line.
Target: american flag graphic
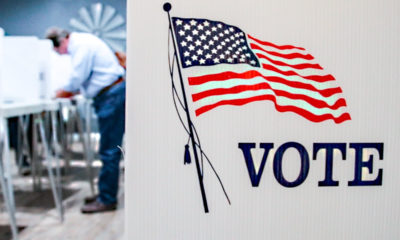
[{"x": 239, "y": 69}]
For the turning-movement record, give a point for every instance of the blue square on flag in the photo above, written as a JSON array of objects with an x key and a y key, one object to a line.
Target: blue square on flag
[{"x": 203, "y": 43}]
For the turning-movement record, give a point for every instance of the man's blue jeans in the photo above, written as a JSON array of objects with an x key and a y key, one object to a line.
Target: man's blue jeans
[{"x": 110, "y": 110}]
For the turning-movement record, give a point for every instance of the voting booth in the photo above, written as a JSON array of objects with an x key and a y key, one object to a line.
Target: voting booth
[
  {"x": 30, "y": 69},
  {"x": 263, "y": 120}
]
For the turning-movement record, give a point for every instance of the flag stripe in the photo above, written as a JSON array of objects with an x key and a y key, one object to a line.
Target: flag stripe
[
  {"x": 306, "y": 114},
  {"x": 296, "y": 66},
  {"x": 263, "y": 72},
  {"x": 277, "y": 83},
  {"x": 242, "y": 88},
  {"x": 281, "y": 100},
  {"x": 283, "y": 55},
  {"x": 252, "y": 74},
  {"x": 317, "y": 78},
  {"x": 257, "y": 80},
  {"x": 283, "y": 47}
]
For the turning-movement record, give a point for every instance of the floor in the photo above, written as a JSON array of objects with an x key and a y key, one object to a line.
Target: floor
[{"x": 38, "y": 218}]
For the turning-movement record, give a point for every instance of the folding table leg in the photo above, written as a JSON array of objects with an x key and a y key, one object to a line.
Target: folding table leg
[
  {"x": 57, "y": 150},
  {"x": 5, "y": 177},
  {"x": 23, "y": 125},
  {"x": 40, "y": 127},
  {"x": 63, "y": 138}
]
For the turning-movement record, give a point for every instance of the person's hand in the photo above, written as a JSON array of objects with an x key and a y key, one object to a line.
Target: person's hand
[{"x": 64, "y": 94}]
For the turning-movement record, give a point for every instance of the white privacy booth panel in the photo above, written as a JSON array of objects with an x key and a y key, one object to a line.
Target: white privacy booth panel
[
  {"x": 1, "y": 61},
  {"x": 60, "y": 71},
  {"x": 20, "y": 78},
  {"x": 45, "y": 48}
]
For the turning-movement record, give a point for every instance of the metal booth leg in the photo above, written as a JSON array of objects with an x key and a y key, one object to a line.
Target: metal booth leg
[
  {"x": 39, "y": 126},
  {"x": 57, "y": 153},
  {"x": 5, "y": 177}
]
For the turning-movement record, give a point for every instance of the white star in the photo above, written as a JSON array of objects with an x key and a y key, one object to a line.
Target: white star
[
  {"x": 237, "y": 35},
  {"x": 222, "y": 56},
  {"x": 248, "y": 55},
  {"x": 227, "y": 52},
  {"x": 195, "y": 32},
  {"x": 232, "y": 38},
  {"x": 186, "y": 27},
  {"x": 198, "y": 42},
  {"x": 194, "y": 57},
  {"x": 253, "y": 62},
  {"x": 188, "y": 63},
  {"x": 241, "y": 34},
  {"x": 221, "y": 34},
  {"x": 219, "y": 25},
  {"x": 206, "y": 24},
  {"x": 199, "y": 52},
  {"x": 215, "y": 38},
  {"x": 242, "y": 40},
  {"x": 231, "y": 29},
  {"x": 206, "y": 47},
  {"x": 186, "y": 54},
  {"x": 189, "y": 38},
  {"x": 181, "y": 32},
  {"x": 203, "y": 37},
  {"x": 193, "y": 22},
  {"x": 208, "y": 32},
  {"x": 244, "y": 48},
  {"x": 213, "y": 29},
  {"x": 216, "y": 60},
  {"x": 214, "y": 51},
  {"x": 240, "y": 50},
  {"x": 230, "y": 48},
  {"x": 219, "y": 47},
  {"x": 234, "y": 56},
  {"x": 227, "y": 40},
  {"x": 178, "y": 22},
  {"x": 200, "y": 27},
  {"x": 202, "y": 61},
  {"x": 211, "y": 42},
  {"x": 234, "y": 45},
  {"x": 223, "y": 43},
  {"x": 183, "y": 44},
  {"x": 237, "y": 52},
  {"x": 237, "y": 42},
  {"x": 230, "y": 60},
  {"x": 208, "y": 56},
  {"x": 191, "y": 47},
  {"x": 226, "y": 31}
]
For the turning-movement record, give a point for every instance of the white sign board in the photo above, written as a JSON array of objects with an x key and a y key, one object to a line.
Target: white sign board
[{"x": 293, "y": 102}]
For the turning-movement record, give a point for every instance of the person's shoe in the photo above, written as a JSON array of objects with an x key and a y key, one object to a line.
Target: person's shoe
[
  {"x": 90, "y": 199},
  {"x": 96, "y": 207},
  {"x": 25, "y": 171}
]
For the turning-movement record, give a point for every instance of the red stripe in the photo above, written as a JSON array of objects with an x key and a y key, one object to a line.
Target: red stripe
[
  {"x": 297, "y": 66},
  {"x": 324, "y": 92},
  {"x": 252, "y": 74},
  {"x": 302, "y": 112},
  {"x": 317, "y": 78},
  {"x": 282, "y": 55},
  {"x": 283, "y": 47},
  {"x": 264, "y": 86}
]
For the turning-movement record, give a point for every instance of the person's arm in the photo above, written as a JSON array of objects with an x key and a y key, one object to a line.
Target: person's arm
[
  {"x": 82, "y": 63},
  {"x": 64, "y": 94}
]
